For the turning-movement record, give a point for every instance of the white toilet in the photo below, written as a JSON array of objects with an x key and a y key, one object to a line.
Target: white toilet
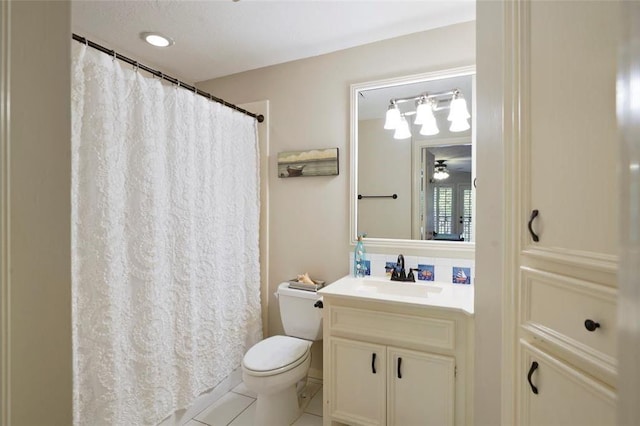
[{"x": 273, "y": 367}]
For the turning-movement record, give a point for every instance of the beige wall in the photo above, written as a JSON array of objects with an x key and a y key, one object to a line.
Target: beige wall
[
  {"x": 36, "y": 213},
  {"x": 309, "y": 108},
  {"x": 384, "y": 218}
]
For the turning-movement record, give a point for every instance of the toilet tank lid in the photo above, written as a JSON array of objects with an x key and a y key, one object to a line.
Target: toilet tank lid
[
  {"x": 283, "y": 288},
  {"x": 275, "y": 352}
]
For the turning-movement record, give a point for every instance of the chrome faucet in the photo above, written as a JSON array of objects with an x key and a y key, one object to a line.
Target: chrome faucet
[{"x": 399, "y": 274}]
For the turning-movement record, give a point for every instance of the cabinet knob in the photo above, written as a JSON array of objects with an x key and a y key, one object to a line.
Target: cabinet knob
[{"x": 591, "y": 325}]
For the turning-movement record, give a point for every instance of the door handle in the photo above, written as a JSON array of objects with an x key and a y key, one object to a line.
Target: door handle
[
  {"x": 399, "y": 364},
  {"x": 534, "y": 367},
  {"x": 373, "y": 363}
]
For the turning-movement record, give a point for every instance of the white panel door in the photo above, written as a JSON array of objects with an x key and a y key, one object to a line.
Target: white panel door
[
  {"x": 571, "y": 160},
  {"x": 358, "y": 378},
  {"x": 565, "y": 396},
  {"x": 420, "y": 388}
]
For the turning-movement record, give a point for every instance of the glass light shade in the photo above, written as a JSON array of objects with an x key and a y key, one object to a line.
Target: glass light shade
[
  {"x": 459, "y": 125},
  {"x": 393, "y": 118},
  {"x": 458, "y": 109},
  {"x": 424, "y": 113},
  {"x": 402, "y": 131},
  {"x": 440, "y": 174},
  {"x": 429, "y": 128}
]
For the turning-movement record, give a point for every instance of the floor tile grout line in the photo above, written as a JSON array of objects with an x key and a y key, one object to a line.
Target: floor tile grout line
[
  {"x": 248, "y": 396},
  {"x": 319, "y": 389},
  {"x": 214, "y": 402},
  {"x": 245, "y": 409}
]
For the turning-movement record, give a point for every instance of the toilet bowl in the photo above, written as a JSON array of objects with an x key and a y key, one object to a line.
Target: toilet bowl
[{"x": 273, "y": 367}]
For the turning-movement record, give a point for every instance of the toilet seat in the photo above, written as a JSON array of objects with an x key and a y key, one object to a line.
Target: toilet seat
[{"x": 276, "y": 355}]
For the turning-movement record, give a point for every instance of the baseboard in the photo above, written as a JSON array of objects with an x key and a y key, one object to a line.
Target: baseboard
[
  {"x": 315, "y": 373},
  {"x": 181, "y": 417}
]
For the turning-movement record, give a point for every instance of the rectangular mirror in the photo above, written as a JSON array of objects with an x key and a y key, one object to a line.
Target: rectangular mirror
[{"x": 412, "y": 161}]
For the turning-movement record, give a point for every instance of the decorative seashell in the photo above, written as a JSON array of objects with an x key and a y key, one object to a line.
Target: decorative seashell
[{"x": 305, "y": 279}]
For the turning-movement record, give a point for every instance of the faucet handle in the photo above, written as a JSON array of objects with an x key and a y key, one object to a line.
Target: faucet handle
[
  {"x": 394, "y": 274},
  {"x": 410, "y": 276}
]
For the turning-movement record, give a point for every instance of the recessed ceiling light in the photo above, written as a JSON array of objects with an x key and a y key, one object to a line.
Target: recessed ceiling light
[{"x": 156, "y": 39}]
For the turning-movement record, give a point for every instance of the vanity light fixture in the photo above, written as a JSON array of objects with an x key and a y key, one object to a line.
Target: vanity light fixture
[
  {"x": 156, "y": 39},
  {"x": 425, "y": 117},
  {"x": 402, "y": 129},
  {"x": 393, "y": 117},
  {"x": 458, "y": 113},
  {"x": 426, "y": 104},
  {"x": 441, "y": 172}
]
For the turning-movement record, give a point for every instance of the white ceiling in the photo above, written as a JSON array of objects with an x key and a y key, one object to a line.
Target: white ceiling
[{"x": 215, "y": 38}]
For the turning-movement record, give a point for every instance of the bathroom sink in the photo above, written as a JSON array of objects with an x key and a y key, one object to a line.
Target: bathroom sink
[
  {"x": 394, "y": 288},
  {"x": 381, "y": 289}
]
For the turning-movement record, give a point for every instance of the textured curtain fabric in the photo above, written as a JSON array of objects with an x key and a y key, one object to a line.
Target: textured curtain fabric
[{"x": 166, "y": 281}]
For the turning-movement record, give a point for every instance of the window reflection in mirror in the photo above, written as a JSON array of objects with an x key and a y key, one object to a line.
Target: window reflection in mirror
[
  {"x": 430, "y": 205},
  {"x": 444, "y": 197}
]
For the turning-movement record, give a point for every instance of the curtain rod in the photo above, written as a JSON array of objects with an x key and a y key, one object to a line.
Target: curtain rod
[{"x": 163, "y": 76}]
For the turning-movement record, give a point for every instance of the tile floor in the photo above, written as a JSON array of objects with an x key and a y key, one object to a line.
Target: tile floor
[{"x": 238, "y": 407}]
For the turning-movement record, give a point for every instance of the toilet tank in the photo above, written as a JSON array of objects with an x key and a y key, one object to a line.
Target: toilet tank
[{"x": 299, "y": 317}]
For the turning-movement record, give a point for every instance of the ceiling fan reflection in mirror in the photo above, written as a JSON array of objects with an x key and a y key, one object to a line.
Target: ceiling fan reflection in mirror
[{"x": 441, "y": 172}]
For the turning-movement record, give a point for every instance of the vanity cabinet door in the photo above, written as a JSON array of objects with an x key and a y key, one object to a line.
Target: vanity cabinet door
[
  {"x": 420, "y": 388},
  {"x": 358, "y": 379},
  {"x": 555, "y": 394}
]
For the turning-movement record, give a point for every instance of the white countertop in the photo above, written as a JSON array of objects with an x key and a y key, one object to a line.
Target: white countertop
[{"x": 457, "y": 297}]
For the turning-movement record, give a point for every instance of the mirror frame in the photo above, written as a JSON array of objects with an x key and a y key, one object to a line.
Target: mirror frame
[{"x": 422, "y": 247}]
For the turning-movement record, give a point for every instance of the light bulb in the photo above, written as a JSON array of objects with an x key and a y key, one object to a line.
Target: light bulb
[
  {"x": 393, "y": 117},
  {"x": 402, "y": 131}
]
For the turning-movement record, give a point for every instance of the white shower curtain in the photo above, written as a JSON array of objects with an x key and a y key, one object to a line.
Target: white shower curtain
[{"x": 165, "y": 202}]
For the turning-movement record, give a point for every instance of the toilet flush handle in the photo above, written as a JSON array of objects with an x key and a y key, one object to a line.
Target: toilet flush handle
[{"x": 318, "y": 304}]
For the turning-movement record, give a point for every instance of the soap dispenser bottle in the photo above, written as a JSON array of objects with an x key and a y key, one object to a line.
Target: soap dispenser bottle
[{"x": 359, "y": 258}]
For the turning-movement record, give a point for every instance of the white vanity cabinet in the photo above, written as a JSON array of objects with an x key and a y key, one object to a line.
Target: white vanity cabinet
[
  {"x": 389, "y": 363},
  {"x": 565, "y": 219},
  {"x": 418, "y": 387}
]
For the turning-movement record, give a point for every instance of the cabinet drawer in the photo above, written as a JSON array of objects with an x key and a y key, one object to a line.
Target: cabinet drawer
[
  {"x": 562, "y": 395},
  {"x": 393, "y": 328},
  {"x": 555, "y": 308}
]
